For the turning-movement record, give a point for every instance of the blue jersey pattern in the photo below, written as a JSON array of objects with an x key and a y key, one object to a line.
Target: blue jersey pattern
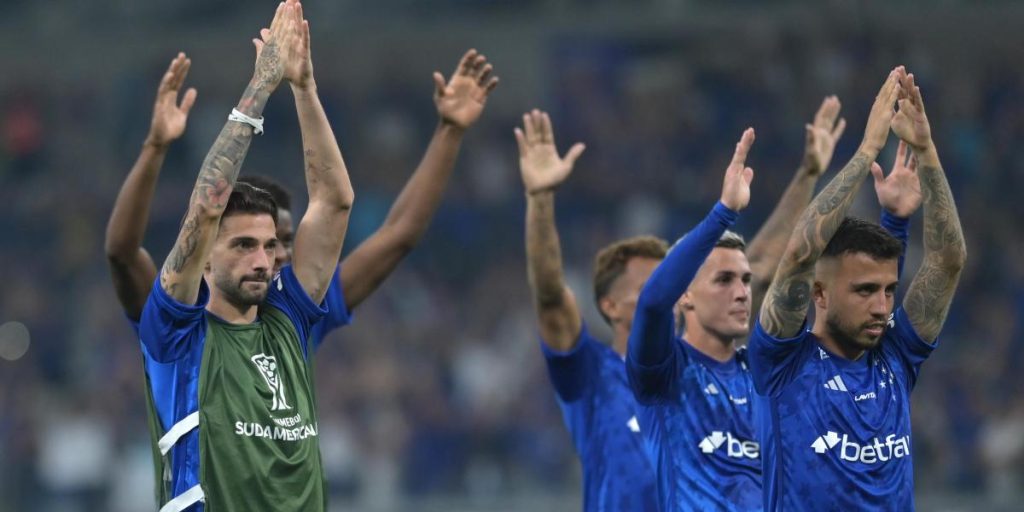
[
  {"x": 600, "y": 412},
  {"x": 835, "y": 433},
  {"x": 702, "y": 434},
  {"x": 338, "y": 314}
]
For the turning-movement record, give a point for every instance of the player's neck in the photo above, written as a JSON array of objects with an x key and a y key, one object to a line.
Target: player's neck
[
  {"x": 620, "y": 341},
  {"x": 228, "y": 312},
  {"x": 710, "y": 344},
  {"x": 845, "y": 350}
]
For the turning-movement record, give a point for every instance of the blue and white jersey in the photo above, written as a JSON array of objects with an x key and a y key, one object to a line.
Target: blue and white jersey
[
  {"x": 600, "y": 412},
  {"x": 835, "y": 434}
]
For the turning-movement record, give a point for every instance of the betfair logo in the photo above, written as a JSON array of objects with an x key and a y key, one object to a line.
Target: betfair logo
[
  {"x": 734, "y": 447},
  {"x": 267, "y": 366},
  {"x": 871, "y": 452}
]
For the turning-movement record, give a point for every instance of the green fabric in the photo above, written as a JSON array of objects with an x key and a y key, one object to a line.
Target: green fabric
[
  {"x": 258, "y": 432},
  {"x": 156, "y": 431}
]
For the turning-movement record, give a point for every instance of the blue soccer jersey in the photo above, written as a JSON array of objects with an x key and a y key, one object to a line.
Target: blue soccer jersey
[
  {"x": 836, "y": 433},
  {"x": 697, "y": 412},
  {"x": 338, "y": 314},
  {"x": 600, "y": 412}
]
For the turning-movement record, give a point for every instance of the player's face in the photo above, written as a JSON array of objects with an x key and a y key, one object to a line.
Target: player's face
[
  {"x": 719, "y": 296},
  {"x": 243, "y": 258},
  {"x": 620, "y": 304},
  {"x": 857, "y": 293},
  {"x": 285, "y": 237}
]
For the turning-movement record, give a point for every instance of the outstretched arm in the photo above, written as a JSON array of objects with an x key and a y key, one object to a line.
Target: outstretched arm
[
  {"x": 182, "y": 271},
  {"x": 322, "y": 229},
  {"x": 542, "y": 171},
  {"x": 785, "y": 305},
  {"x": 766, "y": 248},
  {"x": 131, "y": 268},
  {"x": 651, "y": 341},
  {"x": 459, "y": 104},
  {"x": 945, "y": 251}
]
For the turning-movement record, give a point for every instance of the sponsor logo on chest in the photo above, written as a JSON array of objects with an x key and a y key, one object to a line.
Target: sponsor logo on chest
[
  {"x": 874, "y": 451},
  {"x": 734, "y": 447}
]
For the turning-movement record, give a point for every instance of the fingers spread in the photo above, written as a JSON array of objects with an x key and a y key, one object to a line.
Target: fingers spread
[
  {"x": 485, "y": 73},
  {"x": 465, "y": 63},
  {"x": 520, "y": 141},
  {"x": 531, "y": 132},
  {"x": 491, "y": 84},
  {"x": 901, "y": 155},
  {"x": 439, "y": 84},
  {"x": 547, "y": 133},
  {"x": 188, "y": 100},
  {"x": 876, "y": 172},
  {"x": 840, "y": 128},
  {"x": 574, "y": 152}
]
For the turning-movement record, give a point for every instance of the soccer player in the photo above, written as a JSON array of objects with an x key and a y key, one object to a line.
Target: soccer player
[
  {"x": 459, "y": 103},
  {"x": 244, "y": 433},
  {"x": 833, "y": 402},
  {"x": 696, "y": 390}
]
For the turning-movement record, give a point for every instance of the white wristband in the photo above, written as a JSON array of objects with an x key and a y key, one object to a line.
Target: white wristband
[{"x": 257, "y": 124}]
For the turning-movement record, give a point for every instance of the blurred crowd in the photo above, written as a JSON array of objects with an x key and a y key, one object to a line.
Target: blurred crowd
[{"x": 438, "y": 387}]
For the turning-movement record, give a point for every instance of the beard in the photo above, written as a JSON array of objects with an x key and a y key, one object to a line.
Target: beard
[
  {"x": 238, "y": 294},
  {"x": 850, "y": 337}
]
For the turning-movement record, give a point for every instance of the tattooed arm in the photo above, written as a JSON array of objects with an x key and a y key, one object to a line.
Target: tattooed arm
[
  {"x": 182, "y": 271},
  {"x": 460, "y": 103},
  {"x": 322, "y": 229},
  {"x": 785, "y": 304},
  {"x": 928, "y": 299},
  {"x": 766, "y": 248},
  {"x": 542, "y": 171},
  {"x": 131, "y": 268}
]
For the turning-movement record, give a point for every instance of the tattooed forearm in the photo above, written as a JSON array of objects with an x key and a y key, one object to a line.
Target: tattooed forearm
[
  {"x": 182, "y": 270},
  {"x": 543, "y": 251},
  {"x": 785, "y": 305},
  {"x": 931, "y": 292}
]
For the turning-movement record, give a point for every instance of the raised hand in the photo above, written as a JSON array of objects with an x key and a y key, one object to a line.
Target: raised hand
[
  {"x": 280, "y": 46},
  {"x": 900, "y": 191},
  {"x": 461, "y": 101},
  {"x": 880, "y": 119},
  {"x": 169, "y": 116},
  {"x": 822, "y": 136},
  {"x": 736, "y": 187},
  {"x": 910, "y": 123},
  {"x": 539, "y": 163}
]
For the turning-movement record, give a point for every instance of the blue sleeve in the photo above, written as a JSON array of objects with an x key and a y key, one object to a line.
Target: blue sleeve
[
  {"x": 909, "y": 348},
  {"x": 650, "y": 362},
  {"x": 573, "y": 371},
  {"x": 287, "y": 295},
  {"x": 338, "y": 314},
  {"x": 774, "y": 362},
  {"x": 899, "y": 228},
  {"x": 167, "y": 327}
]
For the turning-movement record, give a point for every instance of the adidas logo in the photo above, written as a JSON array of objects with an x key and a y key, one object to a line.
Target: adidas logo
[
  {"x": 711, "y": 389},
  {"x": 836, "y": 384},
  {"x": 872, "y": 452},
  {"x": 633, "y": 424},
  {"x": 734, "y": 447}
]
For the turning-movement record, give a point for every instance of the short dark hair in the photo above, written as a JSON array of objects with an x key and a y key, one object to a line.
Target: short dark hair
[
  {"x": 611, "y": 262},
  {"x": 247, "y": 199},
  {"x": 281, "y": 196},
  {"x": 731, "y": 240},
  {"x": 860, "y": 236}
]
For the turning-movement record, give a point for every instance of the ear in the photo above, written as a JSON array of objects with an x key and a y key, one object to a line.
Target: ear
[
  {"x": 608, "y": 307},
  {"x": 818, "y": 295},
  {"x": 685, "y": 302}
]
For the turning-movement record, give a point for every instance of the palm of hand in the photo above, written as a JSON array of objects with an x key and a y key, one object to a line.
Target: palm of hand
[
  {"x": 542, "y": 168},
  {"x": 911, "y": 125},
  {"x": 463, "y": 102},
  {"x": 900, "y": 192},
  {"x": 819, "y": 153},
  {"x": 736, "y": 189},
  {"x": 168, "y": 121}
]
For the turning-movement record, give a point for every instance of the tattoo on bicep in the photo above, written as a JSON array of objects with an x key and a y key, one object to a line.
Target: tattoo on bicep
[
  {"x": 928, "y": 299},
  {"x": 785, "y": 305}
]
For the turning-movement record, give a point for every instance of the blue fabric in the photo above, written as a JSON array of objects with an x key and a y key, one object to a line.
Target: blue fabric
[
  {"x": 600, "y": 414},
  {"x": 898, "y": 227},
  {"x": 836, "y": 433},
  {"x": 696, "y": 412},
  {"x": 173, "y": 336},
  {"x": 338, "y": 314}
]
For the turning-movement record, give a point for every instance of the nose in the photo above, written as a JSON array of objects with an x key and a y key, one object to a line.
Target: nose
[
  {"x": 262, "y": 262},
  {"x": 880, "y": 305},
  {"x": 741, "y": 291}
]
